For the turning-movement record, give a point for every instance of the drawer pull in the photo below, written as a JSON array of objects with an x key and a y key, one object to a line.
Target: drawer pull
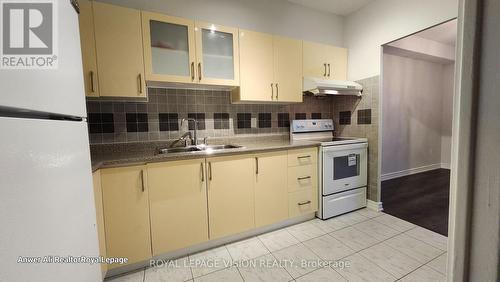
[
  {"x": 303, "y": 157},
  {"x": 304, "y": 178},
  {"x": 304, "y": 203}
]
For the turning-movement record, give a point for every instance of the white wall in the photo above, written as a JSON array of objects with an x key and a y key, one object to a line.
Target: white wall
[
  {"x": 416, "y": 113},
  {"x": 383, "y": 21},
  {"x": 273, "y": 16},
  {"x": 447, "y": 113}
]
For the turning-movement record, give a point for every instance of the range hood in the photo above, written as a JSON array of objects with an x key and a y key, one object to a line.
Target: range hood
[{"x": 323, "y": 87}]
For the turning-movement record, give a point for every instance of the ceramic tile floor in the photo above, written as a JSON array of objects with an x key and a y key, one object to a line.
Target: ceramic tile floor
[{"x": 377, "y": 247}]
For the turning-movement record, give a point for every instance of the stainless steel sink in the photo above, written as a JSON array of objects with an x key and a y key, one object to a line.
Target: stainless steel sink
[{"x": 199, "y": 148}]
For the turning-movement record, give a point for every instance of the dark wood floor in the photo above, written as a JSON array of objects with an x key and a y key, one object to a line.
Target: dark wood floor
[{"x": 421, "y": 199}]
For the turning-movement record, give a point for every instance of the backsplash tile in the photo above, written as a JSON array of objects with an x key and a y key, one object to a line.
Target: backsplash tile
[
  {"x": 221, "y": 121},
  {"x": 315, "y": 115},
  {"x": 264, "y": 120},
  {"x": 365, "y": 116},
  {"x": 168, "y": 121},
  {"x": 300, "y": 116},
  {"x": 283, "y": 120},
  {"x": 200, "y": 120},
  {"x": 244, "y": 120},
  {"x": 344, "y": 117}
]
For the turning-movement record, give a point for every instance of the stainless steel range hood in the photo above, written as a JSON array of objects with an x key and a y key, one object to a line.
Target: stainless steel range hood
[{"x": 323, "y": 87}]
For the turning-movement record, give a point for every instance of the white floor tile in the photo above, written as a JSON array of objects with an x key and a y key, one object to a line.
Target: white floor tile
[
  {"x": 394, "y": 222},
  {"x": 439, "y": 264},
  {"x": 265, "y": 268},
  {"x": 361, "y": 269},
  {"x": 230, "y": 274},
  {"x": 424, "y": 274},
  {"x": 369, "y": 213},
  {"x": 432, "y": 238},
  {"x": 376, "y": 229},
  {"x": 305, "y": 231},
  {"x": 354, "y": 238},
  {"x": 328, "y": 248},
  {"x": 177, "y": 270},
  {"x": 298, "y": 260},
  {"x": 325, "y": 274},
  {"x": 352, "y": 218},
  {"x": 392, "y": 261},
  {"x": 278, "y": 240},
  {"x": 132, "y": 277},
  {"x": 414, "y": 248},
  {"x": 247, "y": 249},
  {"x": 210, "y": 261},
  {"x": 329, "y": 225}
]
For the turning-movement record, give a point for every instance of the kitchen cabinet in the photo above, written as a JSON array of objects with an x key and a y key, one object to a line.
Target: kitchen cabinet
[
  {"x": 89, "y": 56},
  {"x": 96, "y": 179},
  {"x": 271, "y": 201},
  {"x": 230, "y": 195},
  {"x": 118, "y": 39},
  {"x": 325, "y": 61},
  {"x": 302, "y": 181},
  {"x": 178, "y": 50},
  {"x": 270, "y": 68},
  {"x": 178, "y": 204},
  {"x": 126, "y": 213}
]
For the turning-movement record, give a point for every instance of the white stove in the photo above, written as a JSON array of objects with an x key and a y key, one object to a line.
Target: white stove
[{"x": 342, "y": 166}]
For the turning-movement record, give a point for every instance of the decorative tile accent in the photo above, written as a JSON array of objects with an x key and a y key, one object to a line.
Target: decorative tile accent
[
  {"x": 168, "y": 121},
  {"x": 200, "y": 119},
  {"x": 101, "y": 123},
  {"x": 316, "y": 115},
  {"x": 365, "y": 116},
  {"x": 137, "y": 122},
  {"x": 221, "y": 121},
  {"x": 345, "y": 117},
  {"x": 264, "y": 120},
  {"x": 283, "y": 120},
  {"x": 300, "y": 116},
  {"x": 244, "y": 120}
]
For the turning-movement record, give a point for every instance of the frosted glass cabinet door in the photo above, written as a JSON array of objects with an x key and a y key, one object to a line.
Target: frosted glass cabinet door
[
  {"x": 169, "y": 48},
  {"x": 217, "y": 54}
]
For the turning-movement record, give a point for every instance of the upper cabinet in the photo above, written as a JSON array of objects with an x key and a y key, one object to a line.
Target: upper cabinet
[
  {"x": 270, "y": 68},
  {"x": 89, "y": 56},
  {"x": 324, "y": 61},
  {"x": 183, "y": 51},
  {"x": 119, "y": 51}
]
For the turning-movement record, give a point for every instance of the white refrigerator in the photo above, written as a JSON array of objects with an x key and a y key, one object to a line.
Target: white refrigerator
[{"x": 46, "y": 197}]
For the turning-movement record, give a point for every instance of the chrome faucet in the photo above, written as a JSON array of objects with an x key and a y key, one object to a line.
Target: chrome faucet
[
  {"x": 194, "y": 139},
  {"x": 184, "y": 138}
]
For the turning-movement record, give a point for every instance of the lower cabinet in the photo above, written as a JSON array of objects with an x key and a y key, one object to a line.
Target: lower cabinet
[
  {"x": 271, "y": 200},
  {"x": 230, "y": 195},
  {"x": 178, "y": 204},
  {"x": 302, "y": 181},
  {"x": 96, "y": 181},
  {"x": 126, "y": 213}
]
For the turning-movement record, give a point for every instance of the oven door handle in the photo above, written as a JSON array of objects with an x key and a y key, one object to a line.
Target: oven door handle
[{"x": 345, "y": 148}]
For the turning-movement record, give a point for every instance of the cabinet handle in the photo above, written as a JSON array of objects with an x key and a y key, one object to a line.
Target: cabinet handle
[
  {"x": 199, "y": 71},
  {"x": 277, "y": 91},
  {"x": 142, "y": 179},
  {"x": 92, "y": 89},
  {"x": 304, "y": 178},
  {"x": 210, "y": 171},
  {"x": 272, "y": 91},
  {"x": 304, "y": 203},
  {"x": 192, "y": 71},
  {"x": 324, "y": 74},
  {"x": 140, "y": 83},
  {"x": 202, "y": 173},
  {"x": 256, "y": 165},
  {"x": 303, "y": 157},
  {"x": 328, "y": 70}
]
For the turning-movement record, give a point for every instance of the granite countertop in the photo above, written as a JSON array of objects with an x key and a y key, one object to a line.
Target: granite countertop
[{"x": 140, "y": 153}]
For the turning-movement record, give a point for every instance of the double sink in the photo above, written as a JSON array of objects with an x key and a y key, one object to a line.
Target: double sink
[{"x": 199, "y": 148}]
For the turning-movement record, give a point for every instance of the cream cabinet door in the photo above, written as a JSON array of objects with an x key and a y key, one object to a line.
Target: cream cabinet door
[
  {"x": 99, "y": 208},
  {"x": 230, "y": 195},
  {"x": 256, "y": 67},
  {"x": 287, "y": 69},
  {"x": 89, "y": 56},
  {"x": 169, "y": 48},
  {"x": 178, "y": 204},
  {"x": 271, "y": 193},
  {"x": 326, "y": 61},
  {"x": 217, "y": 54},
  {"x": 126, "y": 213},
  {"x": 119, "y": 51}
]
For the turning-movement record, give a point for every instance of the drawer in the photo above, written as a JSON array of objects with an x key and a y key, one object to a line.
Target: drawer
[
  {"x": 302, "y": 157},
  {"x": 302, "y": 202},
  {"x": 343, "y": 202},
  {"x": 302, "y": 177}
]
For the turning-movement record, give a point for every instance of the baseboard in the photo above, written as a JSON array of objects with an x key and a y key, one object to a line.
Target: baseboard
[
  {"x": 410, "y": 171},
  {"x": 374, "y": 206},
  {"x": 445, "y": 166}
]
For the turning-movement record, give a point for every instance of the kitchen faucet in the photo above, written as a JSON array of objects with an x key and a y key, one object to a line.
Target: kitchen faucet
[{"x": 195, "y": 129}]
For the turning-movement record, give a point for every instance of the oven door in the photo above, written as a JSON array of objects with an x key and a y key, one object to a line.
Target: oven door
[{"x": 344, "y": 167}]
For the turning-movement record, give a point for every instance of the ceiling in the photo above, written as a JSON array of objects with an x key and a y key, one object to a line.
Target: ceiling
[
  {"x": 445, "y": 33},
  {"x": 338, "y": 7}
]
